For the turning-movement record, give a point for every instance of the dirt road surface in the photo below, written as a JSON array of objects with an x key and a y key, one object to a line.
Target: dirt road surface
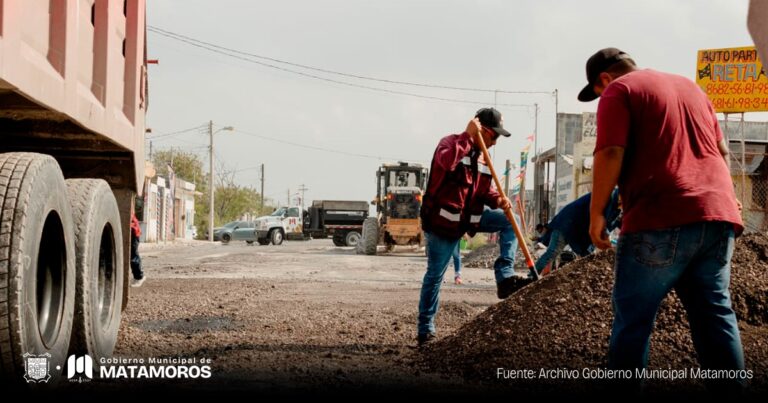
[
  {"x": 310, "y": 318},
  {"x": 303, "y": 316}
]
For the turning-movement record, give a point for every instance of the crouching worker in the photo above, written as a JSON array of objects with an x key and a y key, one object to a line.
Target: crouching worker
[
  {"x": 571, "y": 227},
  {"x": 460, "y": 199}
]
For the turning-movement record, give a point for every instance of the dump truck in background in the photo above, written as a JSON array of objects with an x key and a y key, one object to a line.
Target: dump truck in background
[
  {"x": 340, "y": 219},
  {"x": 72, "y": 105}
]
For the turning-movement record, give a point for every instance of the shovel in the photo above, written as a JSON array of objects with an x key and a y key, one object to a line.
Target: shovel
[{"x": 508, "y": 210}]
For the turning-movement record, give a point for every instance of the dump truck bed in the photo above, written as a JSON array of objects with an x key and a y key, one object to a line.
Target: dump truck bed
[
  {"x": 340, "y": 205},
  {"x": 73, "y": 85}
]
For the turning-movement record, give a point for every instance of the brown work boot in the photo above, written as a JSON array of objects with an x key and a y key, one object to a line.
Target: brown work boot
[{"x": 425, "y": 338}]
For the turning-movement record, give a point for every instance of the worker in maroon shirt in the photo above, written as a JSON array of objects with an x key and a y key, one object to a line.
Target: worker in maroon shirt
[
  {"x": 460, "y": 199},
  {"x": 658, "y": 138}
]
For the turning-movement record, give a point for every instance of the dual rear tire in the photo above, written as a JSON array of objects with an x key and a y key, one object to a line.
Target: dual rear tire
[
  {"x": 61, "y": 264},
  {"x": 99, "y": 260}
]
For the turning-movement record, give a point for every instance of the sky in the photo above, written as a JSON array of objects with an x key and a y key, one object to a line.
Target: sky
[{"x": 331, "y": 137}]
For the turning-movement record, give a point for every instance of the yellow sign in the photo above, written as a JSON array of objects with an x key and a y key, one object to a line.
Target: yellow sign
[{"x": 734, "y": 79}]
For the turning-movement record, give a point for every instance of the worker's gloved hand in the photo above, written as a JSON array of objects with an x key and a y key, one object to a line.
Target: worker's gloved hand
[{"x": 474, "y": 129}]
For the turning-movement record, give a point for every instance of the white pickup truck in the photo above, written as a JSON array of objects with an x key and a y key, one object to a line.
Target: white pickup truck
[{"x": 285, "y": 222}]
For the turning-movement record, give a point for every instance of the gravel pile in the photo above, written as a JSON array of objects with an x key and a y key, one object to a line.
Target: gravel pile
[
  {"x": 563, "y": 322},
  {"x": 482, "y": 257}
]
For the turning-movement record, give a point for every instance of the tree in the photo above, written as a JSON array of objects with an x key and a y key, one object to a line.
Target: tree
[
  {"x": 232, "y": 200},
  {"x": 186, "y": 165}
]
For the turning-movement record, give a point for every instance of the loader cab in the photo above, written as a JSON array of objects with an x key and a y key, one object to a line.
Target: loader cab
[{"x": 400, "y": 189}]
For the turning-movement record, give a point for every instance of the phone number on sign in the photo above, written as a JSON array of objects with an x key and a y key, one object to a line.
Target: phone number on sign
[
  {"x": 737, "y": 89},
  {"x": 740, "y": 103}
]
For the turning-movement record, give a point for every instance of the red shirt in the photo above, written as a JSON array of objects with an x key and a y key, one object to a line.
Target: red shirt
[
  {"x": 673, "y": 173},
  {"x": 135, "y": 227}
]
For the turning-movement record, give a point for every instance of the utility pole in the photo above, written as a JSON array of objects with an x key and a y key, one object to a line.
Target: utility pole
[
  {"x": 150, "y": 150},
  {"x": 302, "y": 189},
  {"x": 536, "y": 130},
  {"x": 506, "y": 178},
  {"x": 262, "y": 188},
  {"x": 211, "y": 184},
  {"x": 495, "y": 106},
  {"x": 211, "y": 181},
  {"x": 557, "y": 129},
  {"x": 288, "y": 197}
]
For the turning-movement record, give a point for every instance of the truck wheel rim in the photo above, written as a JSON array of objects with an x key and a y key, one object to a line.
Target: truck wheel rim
[
  {"x": 106, "y": 280},
  {"x": 353, "y": 240},
  {"x": 51, "y": 272}
]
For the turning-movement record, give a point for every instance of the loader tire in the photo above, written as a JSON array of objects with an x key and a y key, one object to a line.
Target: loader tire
[
  {"x": 370, "y": 236},
  {"x": 37, "y": 263},
  {"x": 100, "y": 270}
]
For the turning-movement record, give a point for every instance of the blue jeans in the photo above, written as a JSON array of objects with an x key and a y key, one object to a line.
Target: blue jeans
[
  {"x": 457, "y": 260},
  {"x": 138, "y": 273},
  {"x": 556, "y": 245},
  {"x": 693, "y": 259},
  {"x": 439, "y": 252}
]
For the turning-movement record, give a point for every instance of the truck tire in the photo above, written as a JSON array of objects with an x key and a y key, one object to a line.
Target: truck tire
[
  {"x": 225, "y": 238},
  {"x": 263, "y": 241},
  {"x": 276, "y": 236},
  {"x": 352, "y": 238},
  {"x": 37, "y": 262},
  {"x": 99, "y": 262},
  {"x": 370, "y": 236},
  {"x": 249, "y": 242},
  {"x": 338, "y": 240}
]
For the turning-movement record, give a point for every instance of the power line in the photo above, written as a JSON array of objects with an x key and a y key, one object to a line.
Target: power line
[
  {"x": 182, "y": 140},
  {"x": 155, "y": 137},
  {"x": 316, "y": 148},
  {"x": 338, "y": 73},
  {"x": 312, "y": 76}
]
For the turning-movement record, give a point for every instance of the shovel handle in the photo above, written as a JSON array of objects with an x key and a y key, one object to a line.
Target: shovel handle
[{"x": 508, "y": 210}]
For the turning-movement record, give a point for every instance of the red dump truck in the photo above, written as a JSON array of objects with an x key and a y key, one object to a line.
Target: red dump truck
[{"x": 72, "y": 104}]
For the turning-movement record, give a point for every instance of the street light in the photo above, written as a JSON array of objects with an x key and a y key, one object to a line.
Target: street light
[{"x": 211, "y": 183}]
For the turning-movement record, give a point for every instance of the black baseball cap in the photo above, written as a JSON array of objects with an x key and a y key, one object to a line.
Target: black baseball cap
[
  {"x": 491, "y": 118},
  {"x": 598, "y": 63}
]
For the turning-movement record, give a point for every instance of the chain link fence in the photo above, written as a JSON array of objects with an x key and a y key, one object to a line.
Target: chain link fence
[{"x": 750, "y": 180}]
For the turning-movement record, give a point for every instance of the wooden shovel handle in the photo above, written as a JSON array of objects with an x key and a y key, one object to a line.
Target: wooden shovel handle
[{"x": 508, "y": 210}]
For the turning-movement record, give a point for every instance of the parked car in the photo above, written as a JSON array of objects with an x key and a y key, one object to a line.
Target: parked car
[
  {"x": 219, "y": 232},
  {"x": 244, "y": 231}
]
